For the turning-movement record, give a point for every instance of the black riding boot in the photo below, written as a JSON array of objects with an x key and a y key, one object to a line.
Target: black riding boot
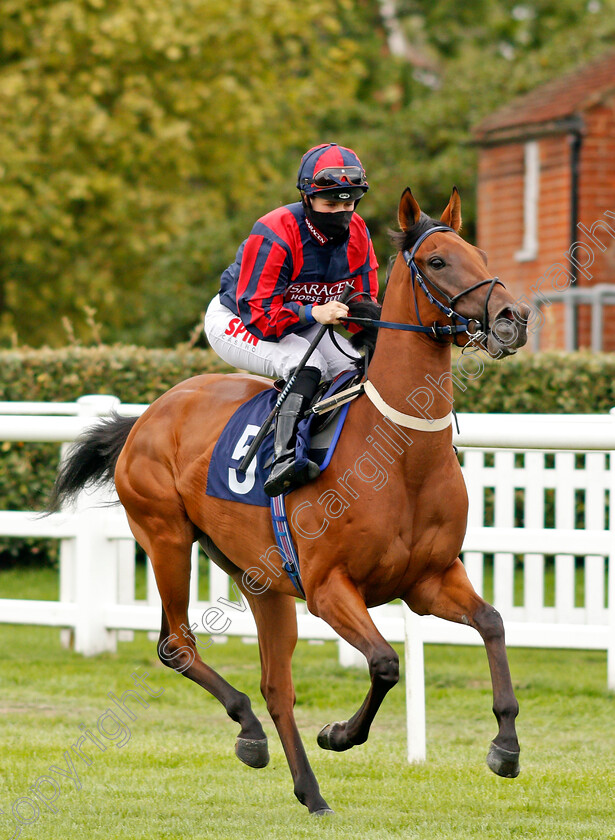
[{"x": 284, "y": 474}]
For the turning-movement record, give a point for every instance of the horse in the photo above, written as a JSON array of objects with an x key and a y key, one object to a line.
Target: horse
[{"x": 385, "y": 520}]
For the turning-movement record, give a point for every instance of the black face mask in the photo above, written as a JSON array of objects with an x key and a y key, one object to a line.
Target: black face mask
[{"x": 333, "y": 225}]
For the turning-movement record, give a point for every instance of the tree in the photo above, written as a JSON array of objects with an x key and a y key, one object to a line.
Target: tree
[
  {"x": 130, "y": 126},
  {"x": 141, "y": 138}
]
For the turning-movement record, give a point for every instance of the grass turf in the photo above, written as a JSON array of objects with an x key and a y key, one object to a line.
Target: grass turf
[{"x": 177, "y": 776}]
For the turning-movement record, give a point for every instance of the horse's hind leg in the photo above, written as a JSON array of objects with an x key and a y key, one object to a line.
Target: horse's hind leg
[
  {"x": 276, "y": 619},
  {"x": 338, "y": 602},
  {"x": 177, "y": 646},
  {"x": 452, "y": 596}
]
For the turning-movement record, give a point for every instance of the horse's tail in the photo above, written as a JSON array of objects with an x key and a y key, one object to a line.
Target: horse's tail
[{"x": 91, "y": 460}]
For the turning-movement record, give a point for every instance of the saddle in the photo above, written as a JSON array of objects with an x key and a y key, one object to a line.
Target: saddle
[
  {"x": 320, "y": 419},
  {"x": 317, "y": 435}
]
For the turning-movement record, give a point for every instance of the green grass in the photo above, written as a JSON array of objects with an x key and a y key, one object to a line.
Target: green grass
[{"x": 177, "y": 776}]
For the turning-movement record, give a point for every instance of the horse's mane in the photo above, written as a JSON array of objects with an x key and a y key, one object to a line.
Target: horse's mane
[{"x": 405, "y": 239}]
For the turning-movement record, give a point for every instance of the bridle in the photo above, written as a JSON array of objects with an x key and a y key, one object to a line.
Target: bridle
[
  {"x": 459, "y": 323},
  {"x": 448, "y": 310}
]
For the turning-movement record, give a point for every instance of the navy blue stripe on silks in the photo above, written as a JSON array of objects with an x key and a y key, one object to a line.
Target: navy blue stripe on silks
[{"x": 251, "y": 292}]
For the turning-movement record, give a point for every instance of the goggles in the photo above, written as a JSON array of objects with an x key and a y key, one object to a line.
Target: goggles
[{"x": 338, "y": 176}]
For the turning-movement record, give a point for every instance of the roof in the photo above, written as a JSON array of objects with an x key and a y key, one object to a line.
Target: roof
[{"x": 552, "y": 105}]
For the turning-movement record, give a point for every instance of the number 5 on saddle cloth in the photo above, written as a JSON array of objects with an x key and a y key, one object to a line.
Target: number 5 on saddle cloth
[{"x": 225, "y": 481}]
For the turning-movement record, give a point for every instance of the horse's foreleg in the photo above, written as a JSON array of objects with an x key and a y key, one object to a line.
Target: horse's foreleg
[
  {"x": 452, "y": 596},
  {"x": 276, "y": 619},
  {"x": 178, "y": 647},
  {"x": 338, "y": 602}
]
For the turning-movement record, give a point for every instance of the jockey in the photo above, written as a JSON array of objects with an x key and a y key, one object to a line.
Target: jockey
[{"x": 284, "y": 284}]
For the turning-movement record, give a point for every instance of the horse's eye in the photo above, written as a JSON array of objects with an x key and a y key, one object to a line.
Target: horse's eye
[{"x": 437, "y": 262}]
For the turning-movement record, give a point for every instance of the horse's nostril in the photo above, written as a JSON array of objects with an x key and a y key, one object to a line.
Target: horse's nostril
[
  {"x": 517, "y": 313},
  {"x": 505, "y": 330}
]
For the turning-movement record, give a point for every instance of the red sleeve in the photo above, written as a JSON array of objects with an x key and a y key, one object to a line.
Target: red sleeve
[
  {"x": 367, "y": 281},
  {"x": 266, "y": 269},
  {"x": 372, "y": 277}
]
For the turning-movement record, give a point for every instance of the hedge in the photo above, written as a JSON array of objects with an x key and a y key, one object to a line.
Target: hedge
[
  {"x": 134, "y": 374},
  {"x": 542, "y": 383},
  {"x": 552, "y": 383}
]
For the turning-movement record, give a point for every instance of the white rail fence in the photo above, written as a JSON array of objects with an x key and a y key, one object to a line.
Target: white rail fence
[{"x": 539, "y": 545}]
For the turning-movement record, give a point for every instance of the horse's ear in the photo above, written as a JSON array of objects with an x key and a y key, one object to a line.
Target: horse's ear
[
  {"x": 452, "y": 214},
  {"x": 409, "y": 211}
]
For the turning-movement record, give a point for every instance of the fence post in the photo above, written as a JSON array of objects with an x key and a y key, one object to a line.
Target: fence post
[
  {"x": 349, "y": 657},
  {"x": 93, "y": 565},
  {"x": 415, "y": 687},
  {"x": 68, "y": 562},
  {"x": 125, "y": 558},
  {"x": 96, "y": 575}
]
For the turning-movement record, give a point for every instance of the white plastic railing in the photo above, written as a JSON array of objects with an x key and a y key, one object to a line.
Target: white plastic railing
[{"x": 528, "y": 476}]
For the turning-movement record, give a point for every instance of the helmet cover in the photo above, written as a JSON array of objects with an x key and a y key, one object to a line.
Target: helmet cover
[{"x": 332, "y": 171}]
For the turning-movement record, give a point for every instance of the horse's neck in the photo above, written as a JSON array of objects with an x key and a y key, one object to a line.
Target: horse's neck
[{"x": 411, "y": 371}]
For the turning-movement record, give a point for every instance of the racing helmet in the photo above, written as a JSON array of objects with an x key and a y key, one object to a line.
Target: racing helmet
[{"x": 332, "y": 171}]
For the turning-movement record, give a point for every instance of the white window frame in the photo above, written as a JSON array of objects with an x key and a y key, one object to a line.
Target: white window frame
[{"x": 531, "y": 190}]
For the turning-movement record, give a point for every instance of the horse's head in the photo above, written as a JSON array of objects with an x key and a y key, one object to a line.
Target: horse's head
[{"x": 451, "y": 283}]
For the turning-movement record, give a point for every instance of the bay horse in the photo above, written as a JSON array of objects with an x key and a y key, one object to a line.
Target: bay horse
[{"x": 361, "y": 542}]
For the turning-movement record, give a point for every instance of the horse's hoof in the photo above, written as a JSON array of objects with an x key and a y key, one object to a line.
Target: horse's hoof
[
  {"x": 503, "y": 762},
  {"x": 323, "y": 812},
  {"x": 332, "y": 737},
  {"x": 252, "y": 753}
]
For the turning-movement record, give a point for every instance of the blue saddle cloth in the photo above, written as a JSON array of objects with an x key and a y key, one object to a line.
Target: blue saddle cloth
[{"x": 223, "y": 479}]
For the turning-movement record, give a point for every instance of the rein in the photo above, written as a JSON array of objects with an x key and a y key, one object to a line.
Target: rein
[{"x": 460, "y": 324}]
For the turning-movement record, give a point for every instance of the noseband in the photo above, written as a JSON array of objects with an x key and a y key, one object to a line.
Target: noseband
[{"x": 459, "y": 323}]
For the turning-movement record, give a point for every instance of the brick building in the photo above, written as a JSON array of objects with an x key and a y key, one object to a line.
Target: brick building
[{"x": 546, "y": 205}]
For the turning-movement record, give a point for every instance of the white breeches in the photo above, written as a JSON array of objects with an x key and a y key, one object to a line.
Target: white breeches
[{"x": 235, "y": 345}]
